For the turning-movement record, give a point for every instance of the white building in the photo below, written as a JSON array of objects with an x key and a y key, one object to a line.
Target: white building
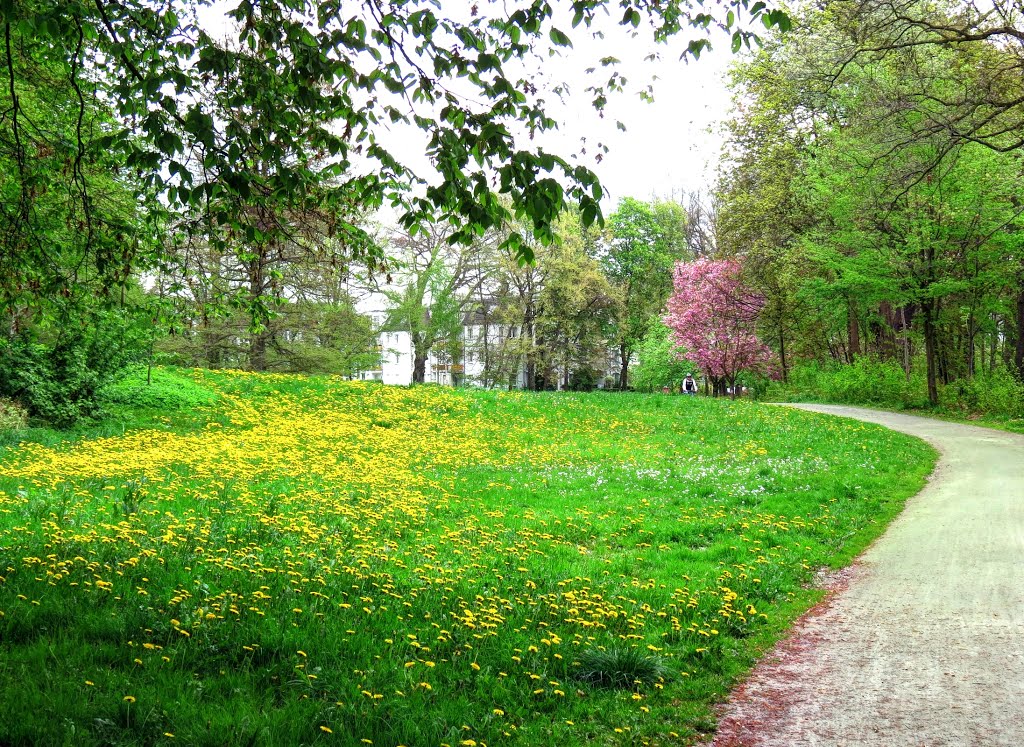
[{"x": 397, "y": 358}]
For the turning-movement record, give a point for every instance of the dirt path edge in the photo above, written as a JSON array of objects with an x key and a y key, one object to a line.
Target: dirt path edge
[{"x": 917, "y": 643}]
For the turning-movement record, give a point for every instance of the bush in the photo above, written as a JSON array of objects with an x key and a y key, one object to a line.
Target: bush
[
  {"x": 13, "y": 417},
  {"x": 57, "y": 377},
  {"x": 583, "y": 379},
  {"x": 864, "y": 382},
  {"x": 997, "y": 393}
]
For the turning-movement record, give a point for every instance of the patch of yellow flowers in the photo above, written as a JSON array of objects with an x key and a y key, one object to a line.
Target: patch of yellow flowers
[{"x": 355, "y": 500}]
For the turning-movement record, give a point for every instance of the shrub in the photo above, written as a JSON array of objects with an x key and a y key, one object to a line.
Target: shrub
[
  {"x": 57, "y": 376},
  {"x": 996, "y": 393},
  {"x": 13, "y": 417},
  {"x": 583, "y": 379},
  {"x": 866, "y": 382}
]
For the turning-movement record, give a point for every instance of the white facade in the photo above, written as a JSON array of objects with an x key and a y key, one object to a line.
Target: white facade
[
  {"x": 397, "y": 357},
  {"x": 396, "y": 351},
  {"x": 397, "y": 362}
]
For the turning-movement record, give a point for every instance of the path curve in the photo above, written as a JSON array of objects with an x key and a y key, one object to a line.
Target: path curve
[{"x": 922, "y": 641}]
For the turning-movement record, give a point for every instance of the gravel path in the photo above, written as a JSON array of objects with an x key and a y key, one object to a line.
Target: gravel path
[{"x": 922, "y": 641}]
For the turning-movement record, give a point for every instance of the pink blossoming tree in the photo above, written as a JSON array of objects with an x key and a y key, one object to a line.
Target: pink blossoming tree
[{"x": 712, "y": 318}]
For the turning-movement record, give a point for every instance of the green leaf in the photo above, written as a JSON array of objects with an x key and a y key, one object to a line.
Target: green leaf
[{"x": 560, "y": 39}]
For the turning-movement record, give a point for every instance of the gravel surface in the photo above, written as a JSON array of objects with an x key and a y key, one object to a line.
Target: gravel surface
[{"x": 922, "y": 640}]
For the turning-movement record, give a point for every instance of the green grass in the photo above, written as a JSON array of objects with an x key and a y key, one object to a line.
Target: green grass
[
  {"x": 162, "y": 397},
  {"x": 284, "y": 556}
]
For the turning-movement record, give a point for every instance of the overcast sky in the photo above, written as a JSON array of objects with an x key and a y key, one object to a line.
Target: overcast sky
[{"x": 669, "y": 145}]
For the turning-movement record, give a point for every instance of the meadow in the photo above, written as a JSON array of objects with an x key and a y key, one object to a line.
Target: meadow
[{"x": 282, "y": 560}]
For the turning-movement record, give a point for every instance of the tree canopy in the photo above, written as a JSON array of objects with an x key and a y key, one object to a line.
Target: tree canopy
[
  {"x": 872, "y": 189},
  {"x": 309, "y": 86}
]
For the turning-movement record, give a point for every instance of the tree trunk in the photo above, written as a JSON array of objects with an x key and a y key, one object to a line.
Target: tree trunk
[
  {"x": 540, "y": 363},
  {"x": 930, "y": 351},
  {"x": 906, "y": 342},
  {"x": 210, "y": 345},
  {"x": 1018, "y": 354},
  {"x": 531, "y": 353},
  {"x": 419, "y": 368},
  {"x": 942, "y": 343},
  {"x": 487, "y": 378},
  {"x": 854, "y": 330},
  {"x": 257, "y": 340},
  {"x": 624, "y": 370},
  {"x": 782, "y": 357},
  {"x": 258, "y": 351},
  {"x": 970, "y": 345},
  {"x": 994, "y": 349}
]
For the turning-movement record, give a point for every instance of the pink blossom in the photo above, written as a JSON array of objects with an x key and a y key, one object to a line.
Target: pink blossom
[{"x": 713, "y": 318}]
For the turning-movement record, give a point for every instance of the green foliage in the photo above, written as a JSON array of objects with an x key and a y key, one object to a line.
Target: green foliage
[
  {"x": 645, "y": 242},
  {"x": 576, "y": 309},
  {"x": 57, "y": 374},
  {"x": 868, "y": 227},
  {"x": 310, "y": 87},
  {"x": 864, "y": 382},
  {"x": 133, "y": 141},
  {"x": 996, "y": 398},
  {"x": 73, "y": 222},
  {"x": 13, "y": 417},
  {"x": 998, "y": 394},
  {"x": 428, "y": 299},
  {"x": 583, "y": 378},
  {"x": 314, "y": 337},
  {"x": 660, "y": 365}
]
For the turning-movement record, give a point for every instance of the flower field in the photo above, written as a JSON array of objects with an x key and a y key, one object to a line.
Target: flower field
[{"x": 309, "y": 560}]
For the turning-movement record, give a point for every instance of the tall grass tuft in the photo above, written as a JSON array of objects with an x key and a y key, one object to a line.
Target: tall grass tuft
[{"x": 620, "y": 667}]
